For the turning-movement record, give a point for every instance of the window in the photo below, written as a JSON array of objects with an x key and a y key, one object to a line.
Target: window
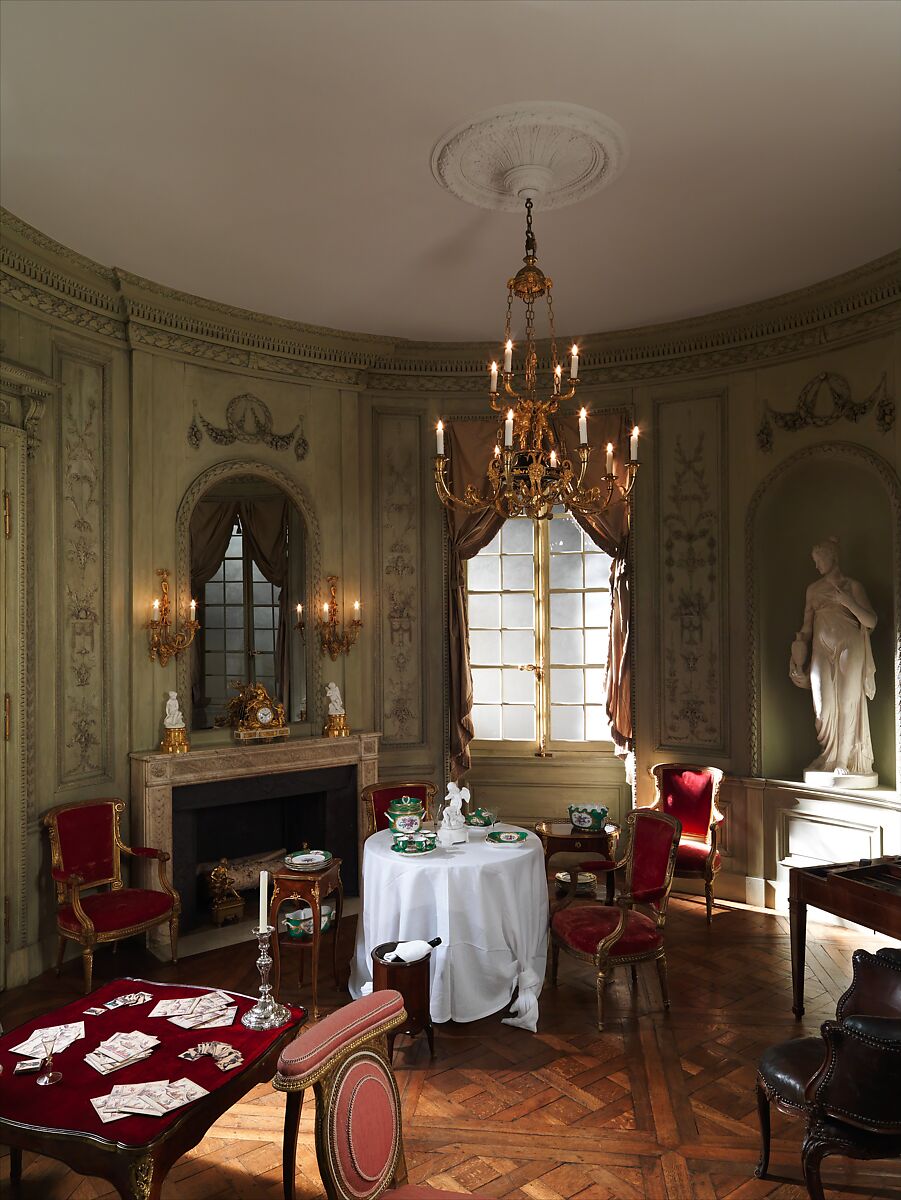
[{"x": 539, "y": 612}]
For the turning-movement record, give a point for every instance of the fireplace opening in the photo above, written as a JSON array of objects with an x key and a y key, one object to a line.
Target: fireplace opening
[{"x": 257, "y": 814}]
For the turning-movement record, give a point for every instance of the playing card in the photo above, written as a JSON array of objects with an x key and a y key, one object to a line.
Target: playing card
[
  {"x": 64, "y": 1036},
  {"x": 174, "y": 1008},
  {"x": 129, "y": 999},
  {"x": 94, "y": 1012},
  {"x": 207, "y": 1019}
]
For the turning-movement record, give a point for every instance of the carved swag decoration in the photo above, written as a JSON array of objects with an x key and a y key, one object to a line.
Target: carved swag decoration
[
  {"x": 247, "y": 419},
  {"x": 807, "y": 412}
]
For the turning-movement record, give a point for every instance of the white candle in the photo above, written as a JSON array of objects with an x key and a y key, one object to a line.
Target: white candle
[
  {"x": 583, "y": 428},
  {"x": 553, "y": 458},
  {"x": 439, "y": 434},
  {"x": 193, "y": 609},
  {"x": 356, "y": 610},
  {"x": 264, "y": 899},
  {"x": 325, "y": 610},
  {"x": 574, "y": 363},
  {"x": 508, "y": 428},
  {"x": 633, "y": 444},
  {"x": 508, "y": 357},
  {"x": 497, "y": 450},
  {"x": 299, "y": 611},
  {"x": 558, "y": 371},
  {"x": 610, "y": 458},
  {"x": 156, "y": 610},
  {"x": 494, "y": 377}
]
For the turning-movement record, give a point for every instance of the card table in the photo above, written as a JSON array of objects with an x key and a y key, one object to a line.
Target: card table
[{"x": 135, "y": 1153}]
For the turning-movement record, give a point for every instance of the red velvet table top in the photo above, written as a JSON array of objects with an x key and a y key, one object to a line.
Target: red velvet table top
[{"x": 66, "y": 1107}]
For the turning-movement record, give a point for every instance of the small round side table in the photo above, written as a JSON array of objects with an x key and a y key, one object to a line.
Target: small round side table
[
  {"x": 412, "y": 980},
  {"x": 311, "y": 887},
  {"x": 559, "y": 837}
]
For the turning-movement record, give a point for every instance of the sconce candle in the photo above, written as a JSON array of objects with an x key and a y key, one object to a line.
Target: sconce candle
[
  {"x": 574, "y": 363},
  {"x": 439, "y": 434},
  {"x": 633, "y": 444},
  {"x": 583, "y": 428},
  {"x": 493, "y": 387},
  {"x": 610, "y": 458},
  {"x": 508, "y": 357},
  {"x": 558, "y": 371},
  {"x": 508, "y": 429},
  {"x": 553, "y": 458}
]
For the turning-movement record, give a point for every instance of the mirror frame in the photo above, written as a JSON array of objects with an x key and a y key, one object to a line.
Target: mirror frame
[{"x": 234, "y": 469}]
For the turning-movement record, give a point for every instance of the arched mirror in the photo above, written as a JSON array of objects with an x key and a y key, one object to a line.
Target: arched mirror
[{"x": 247, "y": 572}]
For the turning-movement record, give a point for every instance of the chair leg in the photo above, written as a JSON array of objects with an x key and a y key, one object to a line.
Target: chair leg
[
  {"x": 813, "y": 1151},
  {"x": 87, "y": 962},
  {"x": 173, "y": 937},
  {"x": 289, "y": 1142},
  {"x": 763, "y": 1116},
  {"x": 601, "y": 984},
  {"x": 634, "y": 973},
  {"x": 661, "y": 975},
  {"x": 708, "y": 893},
  {"x": 555, "y": 962},
  {"x": 60, "y": 953}
]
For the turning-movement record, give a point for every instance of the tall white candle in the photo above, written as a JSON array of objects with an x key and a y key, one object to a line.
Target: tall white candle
[
  {"x": 508, "y": 428},
  {"x": 558, "y": 371},
  {"x": 494, "y": 377},
  {"x": 156, "y": 610},
  {"x": 574, "y": 363},
  {"x": 610, "y": 458},
  {"x": 439, "y": 433},
  {"x": 508, "y": 357},
  {"x": 553, "y": 458},
  {"x": 264, "y": 899},
  {"x": 633, "y": 444},
  {"x": 583, "y": 428},
  {"x": 299, "y": 611},
  {"x": 193, "y": 609}
]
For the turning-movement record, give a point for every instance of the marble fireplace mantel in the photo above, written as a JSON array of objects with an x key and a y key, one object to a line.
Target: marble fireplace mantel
[{"x": 154, "y": 775}]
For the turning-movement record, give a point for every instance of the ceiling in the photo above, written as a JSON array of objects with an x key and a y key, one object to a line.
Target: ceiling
[{"x": 276, "y": 155}]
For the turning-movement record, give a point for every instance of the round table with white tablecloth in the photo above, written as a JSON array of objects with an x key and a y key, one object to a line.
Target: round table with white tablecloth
[{"x": 487, "y": 903}]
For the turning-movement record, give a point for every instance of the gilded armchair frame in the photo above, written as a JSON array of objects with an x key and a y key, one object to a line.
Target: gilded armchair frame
[
  {"x": 603, "y": 958},
  {"x": 367, "y": 802},
  {"x": 710, "y": 870},
  {"x": 69, "y": 886}
]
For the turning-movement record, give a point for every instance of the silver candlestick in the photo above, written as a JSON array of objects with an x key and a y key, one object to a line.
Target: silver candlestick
[{"x": 267, "y": 1013}]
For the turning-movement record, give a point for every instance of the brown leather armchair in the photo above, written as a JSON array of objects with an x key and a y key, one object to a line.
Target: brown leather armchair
[{"x": 847, "y": 1082}]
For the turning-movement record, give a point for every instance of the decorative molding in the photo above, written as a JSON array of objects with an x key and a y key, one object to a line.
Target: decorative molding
[
  {"x": 807, "y": 414},
  {"x": 11, "y": 223},
  {"x": 57, "y": 307},
  {"x": 399, "y": 505},
  {"x": 247, "y": 419},
  {"x": 242, "y": 468},
  {"x": 892, "y": 485},
  {"x": 692, "y": 503},
  {"x": 29, "y": 391}
]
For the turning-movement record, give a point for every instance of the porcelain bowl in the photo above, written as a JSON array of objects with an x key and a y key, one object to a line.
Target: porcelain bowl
[
  {"x": 299, "y": 923},
  {"x": 590, "y": 818}
]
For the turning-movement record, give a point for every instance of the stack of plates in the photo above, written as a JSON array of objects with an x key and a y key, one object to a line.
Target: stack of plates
[{"x": 308, "y": 860}]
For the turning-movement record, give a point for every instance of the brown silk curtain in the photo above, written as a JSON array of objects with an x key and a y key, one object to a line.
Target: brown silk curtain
[
  {"x": 471, "y": 444},
  {"x": 265, "y": 526},
  {"x": 211, "y": 528},
  {"x": 610, "y": 530}
]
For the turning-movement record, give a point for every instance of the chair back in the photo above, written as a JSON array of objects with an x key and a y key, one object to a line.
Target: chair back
[
  {"x": 652, "y": 857},
  {"x": 875, "y": 990},
  {"x": 359, "y": 1140},
  {"x": 689, "y": 794},
  {"x": 860, "y": 1081},
  {"x": 376, "y": 797},
  {"x": 84, "y": 841}
]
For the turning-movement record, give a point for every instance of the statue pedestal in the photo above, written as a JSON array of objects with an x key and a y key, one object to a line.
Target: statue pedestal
[
  {"x": 850, "y": 783},
  {"x": 175, "y": 741}
]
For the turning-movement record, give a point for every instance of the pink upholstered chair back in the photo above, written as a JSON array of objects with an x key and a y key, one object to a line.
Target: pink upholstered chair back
[
  {"x": 377, "y": 796},
  {"x": 84, "y": 841},
  {"x": 652, "y": 856},
  {"x": 689, "y": 794}
]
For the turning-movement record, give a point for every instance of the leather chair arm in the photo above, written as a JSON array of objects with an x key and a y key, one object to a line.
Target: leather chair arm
[
  {"x": 860, "y": 1080},
  {"x": 888, "y": 1029}
]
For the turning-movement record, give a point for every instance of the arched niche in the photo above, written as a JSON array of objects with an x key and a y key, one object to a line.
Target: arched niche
[
  {"x": 206, "y": 482},
  {"x": 836, "y": 488}
]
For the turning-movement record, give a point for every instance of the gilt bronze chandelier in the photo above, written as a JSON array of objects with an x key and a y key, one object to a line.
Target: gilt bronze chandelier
[{"x": 530, "y": 472}]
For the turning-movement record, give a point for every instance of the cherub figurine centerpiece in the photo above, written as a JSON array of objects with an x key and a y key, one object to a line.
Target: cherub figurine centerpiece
[
  {"x": 253, "y": 714},
  {"x": 336, "y": 722},
  {"x": 452, "y": 830}
]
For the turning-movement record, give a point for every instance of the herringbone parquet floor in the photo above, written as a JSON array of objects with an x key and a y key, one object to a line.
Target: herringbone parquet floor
[{"x": 658, "y": 1106}]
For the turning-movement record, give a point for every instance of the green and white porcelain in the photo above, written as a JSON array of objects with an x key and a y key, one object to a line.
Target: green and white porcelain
[
  {"x": 405, "y": 815},
  {"x": 299, "y": 923},
  {"x": 308, "y": 860},
  {"x": 591, "y": 818},
  {"x": 507, "y": 837},
  {"x": 480, "y": 818},
  {"x": 423, "y": 842}
]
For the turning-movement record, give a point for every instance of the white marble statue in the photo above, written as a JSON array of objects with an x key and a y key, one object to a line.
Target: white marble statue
[
  {"x": 831, "y": 656},
  {"x": 452, "y": 817},
  {"x": 173, "y": 718},
  {"x": 335, "y": 703}
]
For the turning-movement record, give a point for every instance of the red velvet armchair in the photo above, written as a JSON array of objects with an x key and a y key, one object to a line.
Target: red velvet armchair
[
  {"x": 359, "y": 1137},
  {"x": 690, "y": 794},
  {"x": 375, "y": 798},
  {"x": 614, "y": 935},
  {"x": 86, "y": 849}
]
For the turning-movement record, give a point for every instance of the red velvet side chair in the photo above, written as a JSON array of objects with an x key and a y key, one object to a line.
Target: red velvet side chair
[
  {"x": 690, "y": 794},
  {"x": 359, "y": 1137},
  {"x": 86, "y": 850},
  {"x": 375, "y": 798},
  {"x": 613, "y": 935}
]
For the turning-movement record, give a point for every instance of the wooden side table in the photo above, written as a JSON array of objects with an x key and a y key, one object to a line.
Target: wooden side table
[
  {"x": 413, "y": 981},
  {"x": 559, "y": 837},
  {"x": 310, "y": 887}
]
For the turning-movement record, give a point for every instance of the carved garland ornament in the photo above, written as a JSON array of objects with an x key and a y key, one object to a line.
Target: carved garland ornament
[
  {"x": 247, "y": 419},
  {"x": 808, "y": 414}
]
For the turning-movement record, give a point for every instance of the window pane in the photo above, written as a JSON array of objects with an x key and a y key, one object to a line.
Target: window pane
[
  {"x": 234, "y": 593},
  {"x": 566, "y": 611},
  {"x": 234, "y": 568},
  {"x": 263, "y": 618},
  {"x": 566, "y": 570},
  {"x": 485, "y": 647},
  {"x": 256, "y": 574},
  {"x": 234, "y": 665},
  {"x": 567, "y": 724},
  {"x": 262, "y": 593},
  {"x": 597, "y": 570},
  {"x": 485, "y": 611},
  {"x": 519, "y": 687},
  {"x": 566, "y": 646},
  {"x": 215, "y": 663},
  {"x": 567, "y": 687},
  {"x": 494, "y": 546},
  {"x": 487, "y": 720},
  {"x": 596, "y": 685},
  {"x": 484, "y": 572},
  {"x": 519, "y": 722},
  {"x": 518, "y": 536},
  {"x": 597, "y": 727},
  {"x": 234, "y": 639},
  {"x": 214, "y": 618},
  {"x": 486, "y": 686},
  {"x": 235, "y": 546},
  {"x": 234, "y": 617},
  {"x": 518, "y": 648},
  {"x": 595, "y": 645},
  {"x": 212, "y": 593},
  {"x": 519, "y": 572},
  {"x": 597, "y": 607},
  {"x": 564, "y": 534},
  {"x": 264, "y": 665},
  {"x": 214, "y": 639},
  {"x": 519, "y": 612},
  {"x": 264, "y": 639}
]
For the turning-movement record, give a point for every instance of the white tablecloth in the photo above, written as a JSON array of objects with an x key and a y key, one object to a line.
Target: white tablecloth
[{"x": 489, "y": 906}]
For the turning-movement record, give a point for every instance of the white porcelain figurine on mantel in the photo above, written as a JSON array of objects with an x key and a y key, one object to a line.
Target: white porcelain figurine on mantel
[
  {"x": 336, "y": 722},
  {"x": 175, "y": 739},
  {"x": 831, "y": 656}
]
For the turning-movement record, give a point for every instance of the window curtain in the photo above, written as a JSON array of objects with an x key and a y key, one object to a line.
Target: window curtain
[
  {"x": 210, "y": 529},
  {"x": 265, "y": 526},
  {"x": 471, "y": 445},
  {"x": 609, "y": 530}
]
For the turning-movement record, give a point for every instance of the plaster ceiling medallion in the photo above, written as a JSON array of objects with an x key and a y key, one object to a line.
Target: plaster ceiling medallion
[{"x": 554, "y": 153}]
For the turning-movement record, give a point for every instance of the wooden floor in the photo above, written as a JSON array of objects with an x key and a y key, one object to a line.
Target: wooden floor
[{"x": 658, "y": 1106}]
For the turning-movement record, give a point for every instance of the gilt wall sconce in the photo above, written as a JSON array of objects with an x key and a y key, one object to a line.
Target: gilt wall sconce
[
  {"x": 166, "y": 642},
  {"x": 335, "y": 641}
]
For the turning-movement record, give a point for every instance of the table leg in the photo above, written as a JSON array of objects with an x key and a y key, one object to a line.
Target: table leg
[
  {"x": 338, "y": 907},
  {"x": 274, "y": 949},
  {"x": 137, "y": 1178},
  {"x": 15, "y": 1165},
  {"x": 798, "y": 923},
  {"x": 611, "y": 887},
  {"x": 317, "y": 938}
]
